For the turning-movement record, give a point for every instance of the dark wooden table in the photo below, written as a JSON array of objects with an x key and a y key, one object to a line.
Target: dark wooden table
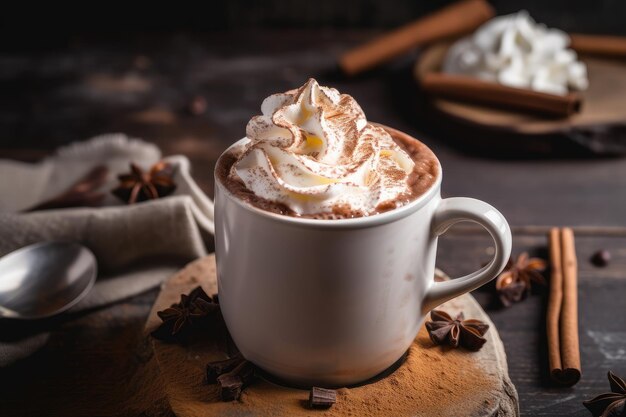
[{"x": 142, "y": 85}]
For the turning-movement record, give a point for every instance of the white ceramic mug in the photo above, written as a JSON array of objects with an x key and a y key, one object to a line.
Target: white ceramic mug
[{"x": 335, "y": 302}]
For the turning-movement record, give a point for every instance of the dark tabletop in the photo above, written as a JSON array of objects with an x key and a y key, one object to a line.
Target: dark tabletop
[{"x": 142, "y": 85}]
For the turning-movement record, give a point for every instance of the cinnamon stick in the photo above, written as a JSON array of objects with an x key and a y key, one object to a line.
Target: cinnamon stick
[
  {"x": 570, "y": 353},
  {"x": 452, "y": 21},
  {"x": 562, "y": 317},
  {"x": 607, "y": 46},
  {"x": 555, "y": 301},
  {"x": 472, "y": 90}
]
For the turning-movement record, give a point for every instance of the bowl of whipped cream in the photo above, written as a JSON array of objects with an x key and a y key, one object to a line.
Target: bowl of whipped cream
[{"x": 514, "y": 52}]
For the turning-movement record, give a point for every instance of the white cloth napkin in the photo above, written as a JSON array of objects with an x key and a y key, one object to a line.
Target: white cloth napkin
[{"x": 137, "y": 247}]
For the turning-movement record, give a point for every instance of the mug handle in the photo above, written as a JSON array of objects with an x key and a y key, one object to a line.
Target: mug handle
[{"x": 459, "y": 209}]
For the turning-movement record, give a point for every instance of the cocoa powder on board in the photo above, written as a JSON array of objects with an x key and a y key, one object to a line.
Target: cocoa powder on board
[{"x": 426, "y": 384}]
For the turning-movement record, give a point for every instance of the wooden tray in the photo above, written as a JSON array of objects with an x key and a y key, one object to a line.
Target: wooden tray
[
  {"x": 182, "y": 371},
  {"x": 600, "y": 127}
]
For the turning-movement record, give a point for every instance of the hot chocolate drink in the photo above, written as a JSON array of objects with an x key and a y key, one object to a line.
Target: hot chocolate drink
[{"x": 312, "y": 153}]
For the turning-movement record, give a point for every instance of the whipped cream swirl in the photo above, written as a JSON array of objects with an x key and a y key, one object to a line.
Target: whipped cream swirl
[
  {"x": 515, "y": 51},
  {"x": 313, "y": 150}
]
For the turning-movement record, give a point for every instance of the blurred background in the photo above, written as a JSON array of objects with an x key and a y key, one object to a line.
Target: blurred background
[
  {"x": 189, "y": 78},
  {"x": 598, "y": 16}
]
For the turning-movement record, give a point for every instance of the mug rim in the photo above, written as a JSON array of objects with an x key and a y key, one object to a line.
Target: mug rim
[{"x": 354, "y": 222}]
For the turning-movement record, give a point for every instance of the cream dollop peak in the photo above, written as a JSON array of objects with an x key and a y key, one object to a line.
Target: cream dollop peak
[{"x": 313, "y": 150}]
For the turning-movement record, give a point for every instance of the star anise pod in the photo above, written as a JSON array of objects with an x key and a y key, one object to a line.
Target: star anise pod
[
  {"x": 181, "y": 316},
  {"x": 138, "y": 185},
  {"x": 444, "y": 330},
  {"x": 515, "y": 282},
  {"x": 610, "y": 404}
]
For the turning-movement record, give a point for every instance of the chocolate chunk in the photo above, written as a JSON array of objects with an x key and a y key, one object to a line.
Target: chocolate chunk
[
  {"x": 230, "y": 387},
  {"x": 601, "y": 258},
  {"x": 217, "y": 368},
  {"x": 246, "y": 371},
  {"x": 233, "y": 382},
  {"x": 322, "y": 397}
]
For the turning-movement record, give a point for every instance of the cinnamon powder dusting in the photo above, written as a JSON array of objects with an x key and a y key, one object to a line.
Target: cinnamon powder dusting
[
  {"x": 427, "y": 384},
  {"x": 424, "y": 175}
]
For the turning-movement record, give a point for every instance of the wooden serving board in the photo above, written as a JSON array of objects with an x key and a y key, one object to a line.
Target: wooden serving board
[
  {"x": 600, "y": 127},
  {"x": 445, "y": 392}
]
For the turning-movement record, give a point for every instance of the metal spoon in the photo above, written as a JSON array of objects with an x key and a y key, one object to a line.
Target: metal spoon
[{"x": 44, "y": 279}]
